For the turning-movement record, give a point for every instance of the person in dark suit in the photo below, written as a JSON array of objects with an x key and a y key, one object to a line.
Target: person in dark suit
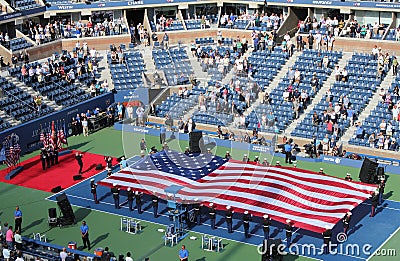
[
  {"x": 289, "y": 232},
  {"x": 43, "y": 156},
  {"x": 115, "y": 193},
  {"x": 228, "y": 218},
  {"x": 154, "y": 202},
  {"x": 346, "y": 222},
  {"x": 78, "y": 158},
  {"x": 212, "y": 213},
  {"x": 55, "y": 155},
  {"x": 374, "y": 202},
  {"x": 48, "y": 157},
  {"x": 348, "y": 177},
  {"x": 93, "y": 190},
  {"x": 131, "y": 196},
  {"x": 138, "y": 197},
  {"x": 197, "y": 211},
  {"x": 266, "y": 222},
  {"x": 246, "y": 223},
  {"x": 381, "y": 188},
  {"x": 327, "y": 235}
]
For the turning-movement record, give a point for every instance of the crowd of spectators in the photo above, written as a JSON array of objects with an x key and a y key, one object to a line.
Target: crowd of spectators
[
  {"x": 82, "y": 57},
  {"x": 163, "y": 23},
  {"x": 332, "y": 25},
  {"x": 42, "y": 34},
  {"x": 272, "y": 22}
]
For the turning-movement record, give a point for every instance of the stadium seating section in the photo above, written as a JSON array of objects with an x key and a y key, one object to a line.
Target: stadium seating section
[
  {"x": 26, "y": 4},
  {"x": 128, "y": 75},
  {"x": 17, "y": 44}
]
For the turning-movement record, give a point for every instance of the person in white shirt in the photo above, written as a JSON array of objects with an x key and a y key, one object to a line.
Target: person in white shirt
[
  {"x": 140, "y": 114},
  {"x": 128, "y": 257},
  {"x": 129, "y": 110},
  {"x": 18, "y": 240},
  {"x": 63, "y": 254},
  {"x": 6, "y": 253},
  {"x": 395, "y": 113}
]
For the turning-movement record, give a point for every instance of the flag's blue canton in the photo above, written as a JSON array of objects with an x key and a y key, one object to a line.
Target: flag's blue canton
[{"x": 193, "y": 166}]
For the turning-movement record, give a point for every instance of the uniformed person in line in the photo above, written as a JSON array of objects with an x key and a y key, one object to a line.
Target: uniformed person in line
[
  {"x": 346, "y": 222},
  {"x": 266, "y": 222},
  {"x": 209, "y": 152},
  {"x": 321, "y": 171},
  {"x": 52, "y": 156},
  {"x": 246, "y": 223},
  {"x": 381, "y": 188},
  {"x": 289, "y": 232},
  {"x": 154, "y": 202},
  {"x": 165, "y": 146},
  {"x": 265, "y": 163},
  {"x": 130, "y": 194},
  {"x": 43, "y": 156},
  {"x": 109, "y": 172},
  {"x": 197, "y": 211},
  {"x": 245, "y": 158},
  {"x": 138, "y": 197},
  {"x": 93, "y": 190},
  {"x": 348, "y": 177},
  {"x": 256, "y": 159},
  {"x": 212, "y": 213},
  {"x": 327, "y": 235},
  {"x": 56, "y": 155},
  {"x": 278, "y": 163},
  {"x": 228, "y": 218},
  {"x": 187, "y": 151},
  {"x": 228, "y": 155},
  {"x": 48, "y": 158},
  {"x": 374, "y": 202},
  {"x": 115, "y": 193}
]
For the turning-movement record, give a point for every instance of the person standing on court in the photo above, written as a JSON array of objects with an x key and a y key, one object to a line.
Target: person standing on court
[
  {"x": 265, "y": 225},
  {"x": 154, "y": 202},
  {"x": 381, "y": 188},
  {"x": 197, "y": 212},
  {"x": 374, "y": 202},
  {"x": 108, "y": 161},
  {"x": 288, "y": 153},
  {"x": 212, "y": 213},
  {"x": 43, "y": 156},
  {"x": 143, "y": 146},
  {"x": 289, "y": 232},
  {"x": 78, "y": 158},
  {"x": 246, "y": 223},
  {"x": 130, "y": 195},
  {"x": 18, "y": 218},
  {"x": 163, "y": 133},
  {"x": 138, "y": 197},
  {"x": 115, "y": 193},
  {"x": 228, "y": 218},
  {"x": 183, "y": 254},
  {"x": 93, "y": 190},
  {"x": 327, "y": 235},
  {"x": 346, "y": 222},
  {"x": 48, "y": 158},
  {"x": 85, "y": 235}
]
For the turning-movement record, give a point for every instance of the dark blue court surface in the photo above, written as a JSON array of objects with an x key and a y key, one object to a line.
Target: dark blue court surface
[{"x": 364, "y": 229}]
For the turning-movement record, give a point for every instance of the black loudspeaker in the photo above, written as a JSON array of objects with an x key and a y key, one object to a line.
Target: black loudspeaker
[
  {"x": 99, "y": 167},
  {"x": 77, "y": 177},
  {"x": 68, "y": 216},
  {"x": 270, "y": 250},
  {"x": 195, "y": 141},
  {"x": 52, "y": 213},
  {"x": 368, "y": 173},
  {"x": 56, "y": 189}
]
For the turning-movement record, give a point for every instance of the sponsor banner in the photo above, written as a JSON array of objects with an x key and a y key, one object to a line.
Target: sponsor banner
[
  {"x": 19, "y": 14},
  {"x": 139, "y": 94}
]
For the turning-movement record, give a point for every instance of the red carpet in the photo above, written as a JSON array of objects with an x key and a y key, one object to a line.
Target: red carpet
[{"x": 32, "y": 176}]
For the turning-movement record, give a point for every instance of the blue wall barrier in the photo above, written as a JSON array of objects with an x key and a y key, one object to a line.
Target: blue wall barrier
[
  {"x": 139, "y": 94},
  {"x": 29, "y": 132},
  {"x": 260, "y": 148}
]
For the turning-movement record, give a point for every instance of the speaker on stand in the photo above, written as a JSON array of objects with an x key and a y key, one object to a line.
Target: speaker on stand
[
  {"x": 195, "y": 141},
  {"x": 368, "y": 171},
  {"x": 68, "y": 216}
]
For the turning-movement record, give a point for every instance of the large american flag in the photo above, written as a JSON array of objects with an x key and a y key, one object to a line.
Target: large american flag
[{"x": 311, "y": 200}]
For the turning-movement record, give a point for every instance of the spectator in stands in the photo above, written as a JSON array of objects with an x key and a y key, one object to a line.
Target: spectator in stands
[
  {"x": 6, "y": 253},
  {"x": 10, "y": 237},
  {"x": 371, "y": 140},
  {"x": 63, "y": 254},
  {"x": 359, "y": 131},
  {"x": 395, "y": 65},
  {"x": 395, "y": 113},
  {"x": 381, "y": 140},
  {"x": 299, "y": 42}
]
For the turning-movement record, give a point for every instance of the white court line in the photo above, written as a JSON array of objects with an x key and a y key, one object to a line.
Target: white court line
[
  {"x": 384, "y": 242},
  {"x": 364, "y": 203}
]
